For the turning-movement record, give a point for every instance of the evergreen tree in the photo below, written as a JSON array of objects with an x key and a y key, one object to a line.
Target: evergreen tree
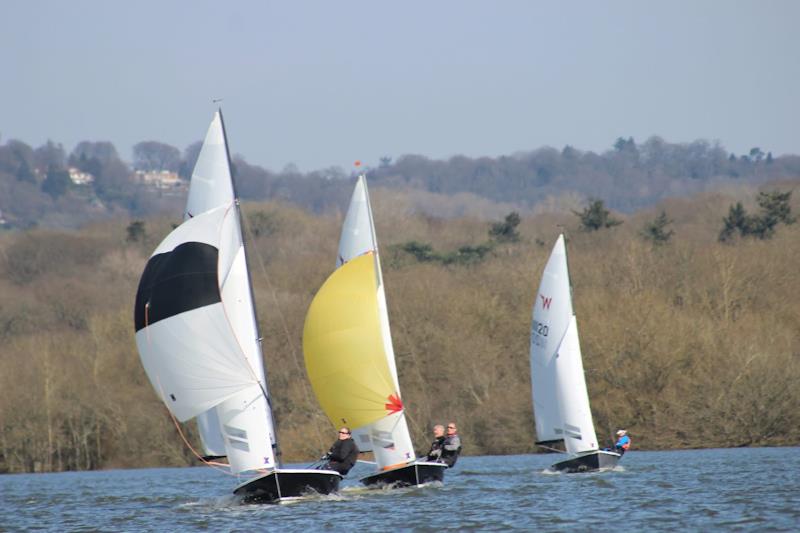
[
  {"x": 506, "y": 231},
  {"x": 421, "y": 251},
  {"x": 775, "y": 209},
  {"x": 596, "y": 216},
  {"x": 135, "y": 231},
  {"x": 737, "y": 220},
  {"x": 655, "y": 230}
]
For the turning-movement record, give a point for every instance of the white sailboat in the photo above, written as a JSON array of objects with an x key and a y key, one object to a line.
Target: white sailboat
[
  {"x": 350, "y": 358},
  {"x": 198, "y": 337},
  {"x": 560, "y": 399}
]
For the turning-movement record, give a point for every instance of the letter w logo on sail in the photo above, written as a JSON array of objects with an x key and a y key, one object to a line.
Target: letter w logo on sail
[{"x": 545, "y": 301}]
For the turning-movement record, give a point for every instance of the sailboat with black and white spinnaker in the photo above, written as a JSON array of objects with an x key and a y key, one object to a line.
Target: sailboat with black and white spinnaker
[{"x": 198, "y": 337}]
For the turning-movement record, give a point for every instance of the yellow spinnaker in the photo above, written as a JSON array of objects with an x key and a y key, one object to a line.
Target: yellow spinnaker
[{"x": 343, "y": 347}]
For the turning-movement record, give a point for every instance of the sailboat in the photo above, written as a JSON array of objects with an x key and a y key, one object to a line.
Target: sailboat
[
  {"x": 198, "y": 337},
  {"x": 560, "y": 399},
  {"x": 350, "y": 359}
]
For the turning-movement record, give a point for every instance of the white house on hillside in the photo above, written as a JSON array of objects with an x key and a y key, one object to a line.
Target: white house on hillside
[
  {"x": 78, "y": 177},
  {"x": 160, "y": 179}
]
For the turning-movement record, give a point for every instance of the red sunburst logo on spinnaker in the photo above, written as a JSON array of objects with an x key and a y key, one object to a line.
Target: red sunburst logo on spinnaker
[{"x": 395, "y": 404}]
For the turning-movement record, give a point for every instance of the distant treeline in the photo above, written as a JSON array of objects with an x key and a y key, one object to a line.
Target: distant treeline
[
  {"x": 689, "y": 339},
  {"x": 36, "y": 190}
]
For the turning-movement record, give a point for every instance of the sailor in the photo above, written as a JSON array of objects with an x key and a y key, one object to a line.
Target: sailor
[
  {"x": 623, "y": 442},
  {"x": 343, "y": 454},
  {"x": 435, "y": 455},
  {"x": 452, "y": 446}
]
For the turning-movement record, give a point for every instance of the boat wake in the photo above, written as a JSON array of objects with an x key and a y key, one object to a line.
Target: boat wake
[{"x": 552, "y": 472}]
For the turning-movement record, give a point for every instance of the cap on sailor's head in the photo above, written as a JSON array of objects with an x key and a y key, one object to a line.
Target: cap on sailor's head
[{"x": 621, "y": 432}]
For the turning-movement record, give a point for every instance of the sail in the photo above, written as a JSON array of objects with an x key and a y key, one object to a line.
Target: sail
[
  {"x": 573, "y": 398},
  {"x": 357, "y": 239},
  {"x": 186, "y": 346},
  {"x": 343, "y": 347},
  {"x": 560, "y": 401},
  {"x": 210, "y": 433},
  {"x": 211, "y": 184},
  {"x": 195, "y": 321},
  {"x": 354, "y": 342},
  {"x": 357, "y": 232},
  {"x": 210, "y": 187}
]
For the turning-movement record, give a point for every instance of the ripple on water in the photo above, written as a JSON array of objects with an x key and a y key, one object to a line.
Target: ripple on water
[{"x": 696, "y": 490}]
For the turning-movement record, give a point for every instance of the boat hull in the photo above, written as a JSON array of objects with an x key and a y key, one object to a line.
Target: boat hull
[
  {"x": 595, "y": 461},
  {"x": 283, "y": 485},
  {"x": 408, "y": 475}
]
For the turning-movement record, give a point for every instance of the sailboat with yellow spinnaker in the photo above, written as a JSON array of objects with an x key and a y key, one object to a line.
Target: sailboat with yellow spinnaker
[{"x": 350, "y": 359}]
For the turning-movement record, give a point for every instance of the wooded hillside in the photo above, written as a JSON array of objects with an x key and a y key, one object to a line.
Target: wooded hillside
[
  {"x": 692, "y": 342},
  {"x": 36, "y": 188}
]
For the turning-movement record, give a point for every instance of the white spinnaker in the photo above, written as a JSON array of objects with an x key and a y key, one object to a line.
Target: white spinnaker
[
  {"x": 573, "y": 398},
  {"x": 552, "y": 312},
  {"x": 193, "y": 359},
  {"x": 388, "y": 438}
]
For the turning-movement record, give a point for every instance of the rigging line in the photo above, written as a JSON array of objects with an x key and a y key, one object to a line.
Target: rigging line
[
  {"x": 292, "y": 350},
  {"x": 209, "y": 464}
]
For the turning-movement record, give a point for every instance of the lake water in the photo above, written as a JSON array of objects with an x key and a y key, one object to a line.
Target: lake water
[{"x": 693, "y": 490}]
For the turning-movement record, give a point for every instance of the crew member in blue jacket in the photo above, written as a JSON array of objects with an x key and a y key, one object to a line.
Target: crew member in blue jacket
[{"x": 623, "y": 442}]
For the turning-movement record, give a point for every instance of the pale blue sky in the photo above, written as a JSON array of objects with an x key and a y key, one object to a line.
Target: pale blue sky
[{"x": 321, "y": 83}]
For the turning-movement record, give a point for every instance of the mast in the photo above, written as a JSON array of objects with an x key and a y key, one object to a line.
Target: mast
[
  {"x": 569, "y": 276},
  {"x": 253, "y": 311}
]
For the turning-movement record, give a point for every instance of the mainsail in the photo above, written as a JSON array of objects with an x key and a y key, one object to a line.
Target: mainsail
[
  {"x": 196, "y": 328},
  {"x": 210, "y": 187},
  {"x": 560, "y": 399},
  {"x": 348, "y": 347}
]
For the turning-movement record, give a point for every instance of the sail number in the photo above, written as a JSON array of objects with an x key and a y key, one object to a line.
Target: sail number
[{"x": 538, "y": 333}]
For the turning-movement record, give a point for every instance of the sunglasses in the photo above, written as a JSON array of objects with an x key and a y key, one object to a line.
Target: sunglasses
[{"x": 344, "y": 433}]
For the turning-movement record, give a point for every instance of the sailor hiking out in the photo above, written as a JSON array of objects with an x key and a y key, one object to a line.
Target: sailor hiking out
[
  {"x": 343, "y": 453},
  {"x": 451, "y": 447},
  {"x": 435, "y": 453}
]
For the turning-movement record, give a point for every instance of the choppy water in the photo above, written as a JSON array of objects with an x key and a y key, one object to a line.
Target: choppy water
[{"x": 694, "y": 490}]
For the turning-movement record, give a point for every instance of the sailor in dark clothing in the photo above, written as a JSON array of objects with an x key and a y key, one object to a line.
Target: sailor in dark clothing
[
  {"x": 435, "y": 455},
  {"x": 452, "y": 446},
  {"x": 343, "y": 454}
]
